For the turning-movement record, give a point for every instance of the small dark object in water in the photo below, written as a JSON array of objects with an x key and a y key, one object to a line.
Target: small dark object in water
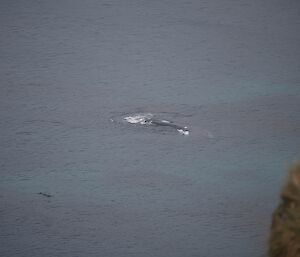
[{"x": 44, "y": 194}]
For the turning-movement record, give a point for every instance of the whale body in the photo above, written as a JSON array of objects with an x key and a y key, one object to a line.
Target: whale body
[
  {"x": 157, "y": 122},
  {"x": 147, "y": 119}
]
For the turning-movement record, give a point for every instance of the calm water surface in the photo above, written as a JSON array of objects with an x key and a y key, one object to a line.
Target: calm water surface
[{"x": 229, "y": 70}]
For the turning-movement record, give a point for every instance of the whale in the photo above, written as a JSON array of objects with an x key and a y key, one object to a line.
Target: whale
[
  {"x": 148, "y": 119},
  {"x": 182, "y": 129}
]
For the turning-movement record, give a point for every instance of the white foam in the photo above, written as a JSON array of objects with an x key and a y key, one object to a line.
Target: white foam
[
  {"x": 183, "y": 132},
  {"x": 139, "y": 118}
]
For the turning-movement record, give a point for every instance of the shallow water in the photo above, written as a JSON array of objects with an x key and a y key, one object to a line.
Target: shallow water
[{"x": 227, "y": 70}]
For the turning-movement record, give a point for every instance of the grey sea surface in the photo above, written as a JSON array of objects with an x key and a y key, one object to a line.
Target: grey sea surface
[{"x": 76, "y": 180}]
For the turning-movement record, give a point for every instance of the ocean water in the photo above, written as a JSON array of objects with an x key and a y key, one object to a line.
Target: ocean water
[{"x": 70, "y": 72}]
